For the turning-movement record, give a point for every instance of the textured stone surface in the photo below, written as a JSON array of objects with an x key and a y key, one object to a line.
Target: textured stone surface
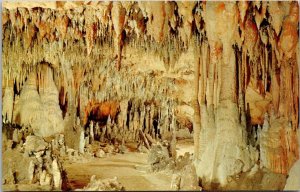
[
  {"x": 35, "y": 144},
  {"x": 103, "y": 185},
  {"x": 139, "y": 71}
]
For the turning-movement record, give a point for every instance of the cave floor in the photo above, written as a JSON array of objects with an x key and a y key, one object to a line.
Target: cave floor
[{"x": 130, "y": 169}]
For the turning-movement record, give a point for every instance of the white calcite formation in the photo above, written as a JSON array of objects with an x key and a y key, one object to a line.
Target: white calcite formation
[
  {"x": 8, "y": 103},
  {"x": 140, "y": 71},
  {"x": 81, "y": 142},
  {"x": 36, "y": 162},
  {"x": 56, "y": 175},
  {"x": 37, "y": 105},
  {"x": 103, "y": 185}
]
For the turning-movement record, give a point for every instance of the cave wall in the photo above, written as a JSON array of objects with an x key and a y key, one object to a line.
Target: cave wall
[
  {"x": 227, "y": 71},
  {"x": 248, "y": 117}
]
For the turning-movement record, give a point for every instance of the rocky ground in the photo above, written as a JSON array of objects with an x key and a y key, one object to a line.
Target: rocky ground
[
  {"x": 134, "y": 169},
  {"x": 33, "y": 163}
]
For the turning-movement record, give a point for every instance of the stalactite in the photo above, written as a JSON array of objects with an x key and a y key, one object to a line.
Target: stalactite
[{"x": 238, "y": 48}]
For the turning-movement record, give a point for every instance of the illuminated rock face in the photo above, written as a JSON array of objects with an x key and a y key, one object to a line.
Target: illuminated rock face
[
  {"x": 227, "y": 71},
  {"x": 37, "y": 106}
]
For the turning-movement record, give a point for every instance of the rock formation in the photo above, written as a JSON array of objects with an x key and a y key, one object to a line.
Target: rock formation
[
  {"x": 140, "y": 71},
  {"x": 103, "y": 185}
]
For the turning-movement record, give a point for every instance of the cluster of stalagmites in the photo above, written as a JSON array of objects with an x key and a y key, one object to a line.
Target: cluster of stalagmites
[
  {"x": 139, "y": 103},
  {"x": 37, "y": 161},
  {"x": 125, "y": 70},
  {"x": 29, "y": 159},
  {"x": 162, "y": 158}
]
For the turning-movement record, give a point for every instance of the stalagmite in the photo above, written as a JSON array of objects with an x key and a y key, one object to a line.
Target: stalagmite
[
  {"x": 102, "y": 136},
  {"x": 109, "y": 128},
  {"x": 81, "y": 142},
  {"x": 45, "y": 178},
  {"x": 196, "y": 106},
  {"x": 56, "y": 175},
  {"x": 91, "y": 133},
  {"x": 152, "y": 108},
  {"x": 15, "y": 136},
  {"x": 97, "y": 130},
  {"x": 86, "y": 141},
  {"x": 31, "y": 171},
  {"x": 7, "y": 110},
  {"x": 173, "y": 140}
]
